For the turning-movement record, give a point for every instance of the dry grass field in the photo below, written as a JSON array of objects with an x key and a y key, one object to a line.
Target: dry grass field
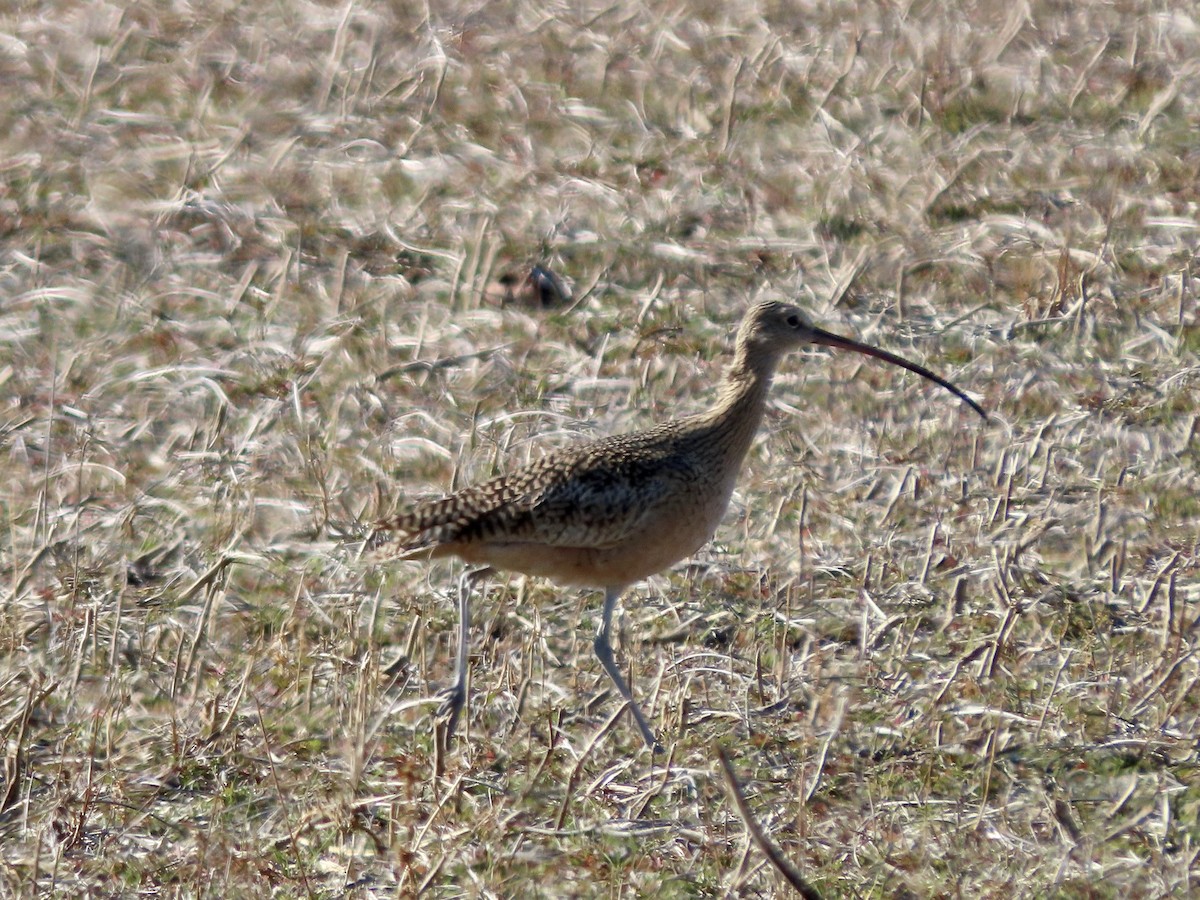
[{"x": 250, "y": 303}]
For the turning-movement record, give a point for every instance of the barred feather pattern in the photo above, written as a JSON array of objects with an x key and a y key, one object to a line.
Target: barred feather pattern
[{"x": 594, "y": 495}]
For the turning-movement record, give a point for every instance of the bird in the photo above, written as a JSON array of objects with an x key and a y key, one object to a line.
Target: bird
[{"x": 608, "y": 513}]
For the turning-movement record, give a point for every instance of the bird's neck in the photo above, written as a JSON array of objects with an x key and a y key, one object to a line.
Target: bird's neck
[{"x": 735, "y": 417}]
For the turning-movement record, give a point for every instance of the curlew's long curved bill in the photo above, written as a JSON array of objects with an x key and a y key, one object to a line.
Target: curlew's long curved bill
[{"x": 829, "y": 339}]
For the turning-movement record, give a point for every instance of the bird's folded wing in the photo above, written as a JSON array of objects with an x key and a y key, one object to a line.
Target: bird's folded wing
[
  {"x": 599, "y": 507},
  {"x": 595, "y": 496}
]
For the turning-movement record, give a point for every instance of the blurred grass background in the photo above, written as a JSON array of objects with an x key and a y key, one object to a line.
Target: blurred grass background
[{"x": 250, "y": 301}]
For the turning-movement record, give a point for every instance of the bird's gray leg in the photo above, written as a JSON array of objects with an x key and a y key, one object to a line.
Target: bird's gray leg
[
  {"x": 604, "y": 653},
  {"x": 456, "y": 697}
]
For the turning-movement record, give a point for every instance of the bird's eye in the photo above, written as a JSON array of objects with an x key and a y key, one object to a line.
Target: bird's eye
[{"x": 794, "y": 321}]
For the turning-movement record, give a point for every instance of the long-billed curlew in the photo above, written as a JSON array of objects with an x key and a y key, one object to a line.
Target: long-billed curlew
[{"x": 610, "y": 512}]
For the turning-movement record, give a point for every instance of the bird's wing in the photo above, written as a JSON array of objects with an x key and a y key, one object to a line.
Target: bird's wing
[
  {"x": 593, "y": 496},
  {"x": 602, "y": 501}
]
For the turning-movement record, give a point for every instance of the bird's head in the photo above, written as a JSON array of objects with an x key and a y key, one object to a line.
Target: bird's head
[{"x": 772, "y": 328}]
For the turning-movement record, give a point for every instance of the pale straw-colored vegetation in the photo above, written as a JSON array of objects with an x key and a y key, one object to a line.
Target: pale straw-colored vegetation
[{"x": 247, "y": 307}]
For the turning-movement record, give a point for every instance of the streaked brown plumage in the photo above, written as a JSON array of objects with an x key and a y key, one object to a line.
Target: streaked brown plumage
[{"x": 611, "y": 512}]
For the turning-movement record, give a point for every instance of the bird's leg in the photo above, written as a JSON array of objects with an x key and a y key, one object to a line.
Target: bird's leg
[
  {"x": 456, "y": 698},
  {"x": 604, "y": 653}
]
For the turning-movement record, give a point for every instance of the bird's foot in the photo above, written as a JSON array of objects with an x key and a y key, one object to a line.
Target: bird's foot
[
  {"x": 652, "y": 743},
  {"x": 453, "y": 701}
]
